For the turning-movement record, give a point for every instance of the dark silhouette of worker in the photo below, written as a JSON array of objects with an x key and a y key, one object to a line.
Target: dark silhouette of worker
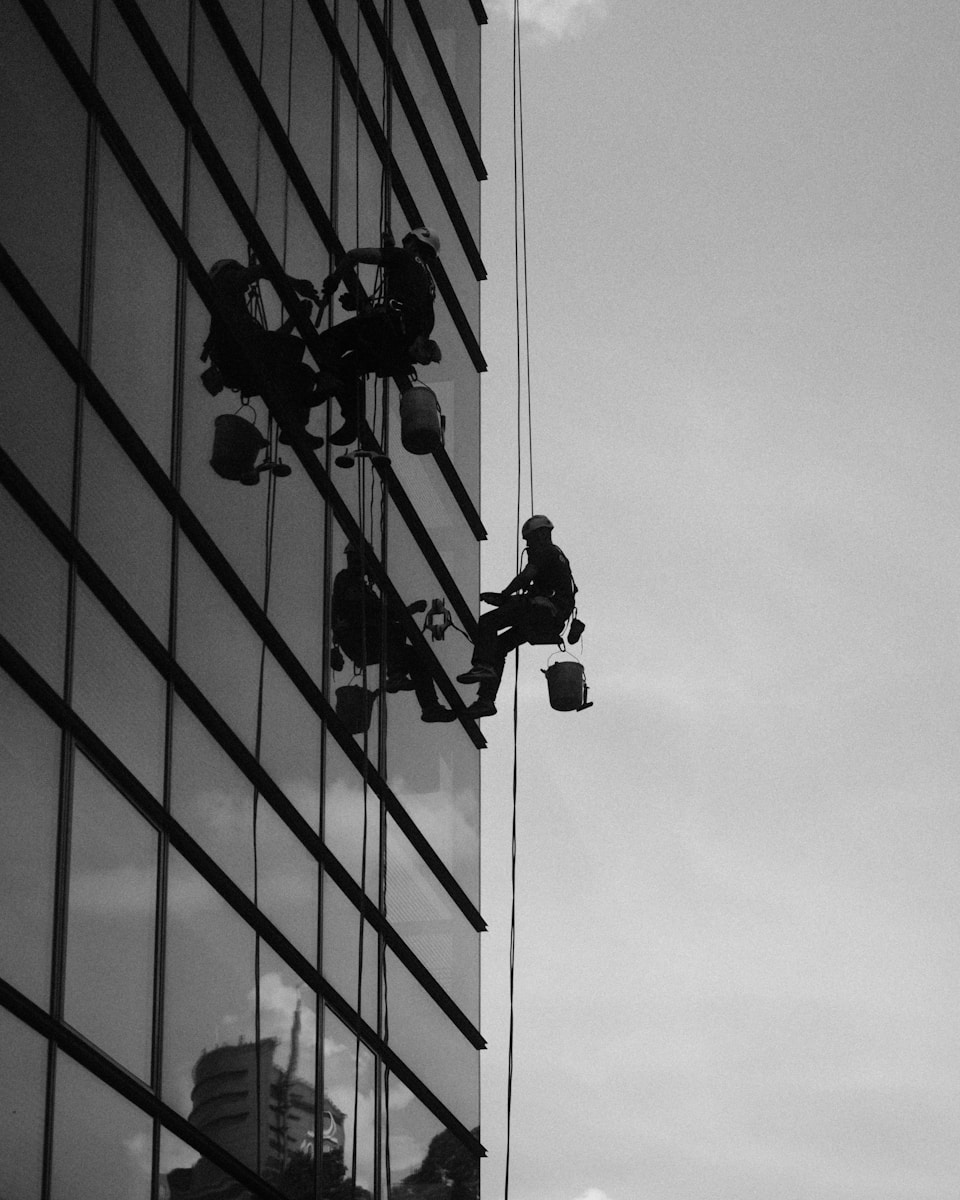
[
  {"x": 391, "y": 336},
  {"x": 357, "y": 625},
  {"x": 244, "y": 352},
  {"x": 533, "y": 607}
]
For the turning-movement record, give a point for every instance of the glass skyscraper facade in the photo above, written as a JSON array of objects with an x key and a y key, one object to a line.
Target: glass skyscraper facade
[{"x": 239, "y": 875}]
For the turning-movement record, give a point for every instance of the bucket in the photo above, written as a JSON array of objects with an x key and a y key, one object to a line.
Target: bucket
[
  {"x": 354, "y": 707},
  {"x": 567, "y": 686},
  {"x": 236, "y": 444},
  {"x": 420, "y": 428}
]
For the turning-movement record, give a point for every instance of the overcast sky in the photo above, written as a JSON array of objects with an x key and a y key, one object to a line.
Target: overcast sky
[{"x": 738, "y": 958}]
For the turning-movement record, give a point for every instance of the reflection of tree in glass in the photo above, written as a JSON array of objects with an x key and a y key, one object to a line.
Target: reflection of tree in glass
[{"x": 448, "y": 1172}]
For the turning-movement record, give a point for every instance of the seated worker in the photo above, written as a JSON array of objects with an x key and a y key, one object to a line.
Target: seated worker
[
  {"x": 278, "y": 353},
  {"x": 534, "y": 606},
  {"x": 357, "y": 624},
  {"x": 393, "y": 335}
]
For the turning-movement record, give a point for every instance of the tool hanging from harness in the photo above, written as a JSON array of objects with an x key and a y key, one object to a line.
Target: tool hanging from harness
[{"x": 566, "y": 681}]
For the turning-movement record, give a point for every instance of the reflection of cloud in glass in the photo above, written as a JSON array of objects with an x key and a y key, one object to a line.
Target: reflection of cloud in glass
[
  {"x": 173, "y": 1154},
  {"x": 114, "y": 892},
  {"x": 558, "y": 18}
]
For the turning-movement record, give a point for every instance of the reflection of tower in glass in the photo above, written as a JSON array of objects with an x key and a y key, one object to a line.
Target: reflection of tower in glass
[{"x": 226, "y": 1108}]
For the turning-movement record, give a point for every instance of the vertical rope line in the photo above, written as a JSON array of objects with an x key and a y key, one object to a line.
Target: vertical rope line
[
  {"x": 361, "y": 488},
  {"x": 523, "y": 223},
  {"x": 268, "y": 554}
]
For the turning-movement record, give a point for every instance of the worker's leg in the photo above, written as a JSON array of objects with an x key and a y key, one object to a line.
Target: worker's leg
[{"x": 511, "y": 612}]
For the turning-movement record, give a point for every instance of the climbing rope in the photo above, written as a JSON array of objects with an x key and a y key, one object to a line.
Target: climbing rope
[{"x": 522, "y": 308}]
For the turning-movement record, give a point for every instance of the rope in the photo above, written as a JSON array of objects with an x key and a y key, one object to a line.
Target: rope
[{"x": 523, "y": 377}]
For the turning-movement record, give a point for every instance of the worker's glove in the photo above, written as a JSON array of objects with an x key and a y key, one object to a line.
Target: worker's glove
[
  {"x": 307, "y": 290},
  {"x": 418, "y": 606},
  {"x": 330, "y": 285},
  {"x": 348, "y": 301},
  {"x": 492, "y": 597}
]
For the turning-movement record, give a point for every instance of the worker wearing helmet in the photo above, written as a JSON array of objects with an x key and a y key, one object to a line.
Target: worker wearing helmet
[
  {"x": 391, "y": 336},
  {"x": 533, "y": 607},
  {"x": 246, "y": 355}
]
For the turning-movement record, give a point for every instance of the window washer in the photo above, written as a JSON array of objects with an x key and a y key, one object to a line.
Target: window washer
[
  {"x": 356, "y": 620},
  {"x": 238, "y": 340},
  {"x": 533, "y": 607},
  {"x": 389, "y": 338}
]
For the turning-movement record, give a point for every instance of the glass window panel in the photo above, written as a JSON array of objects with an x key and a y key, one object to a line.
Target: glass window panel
[
  {"x": 37, "y": 408},
  {"x": 213, "y": 800},
  {"x": 74, "y": 17},
  {"x": 118, "y": 693},
  {"x": 23, "y": 1070},
  {"x": 297, "y": 571},
  {"x": 29, "y": 785},
  {"x": 291, "y": 742},
  {"x": 429, "y": 1043},
  {"x": 433, "y": 107},
  {"x": 211, "y": 797},
  {"x": 431, "y": 924},
  {"x": 216, "y": 646},
  {"x": 43, "y": 131},
  {"x": 124, "y": 525},
  {"x": 134, "y": 309},
  {"x": 111, "y": 916},
  {"x": 444, "y": 522},
  {"x": 101, "y": 1142},
  {"x": 350, "y": 818},
  {"x": 457, "y": 35},
  {"x": 209, "y": 979},
  {"x": 134, "y": 96},
  {"x": 349, "y": 1088},
  {"x": 341, "y": 952},
  {"x": 426, "y": 1159},
  {"x": 33, "y": 598},
  {"x": 170, "y": 20},
  {"x": 312, "y": 100},
  {"x": 254, "y": 1098},
  {"x": 288, "y": 882}
]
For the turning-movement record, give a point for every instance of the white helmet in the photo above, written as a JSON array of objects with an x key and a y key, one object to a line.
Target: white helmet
[
  {"x": 427, "y": 236},
  {"x": 537, "y": 521}
]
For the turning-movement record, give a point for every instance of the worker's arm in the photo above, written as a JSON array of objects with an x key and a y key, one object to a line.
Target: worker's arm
[
  {"x": 372, "y": 255},
  {"x": 519, "y": 583}
]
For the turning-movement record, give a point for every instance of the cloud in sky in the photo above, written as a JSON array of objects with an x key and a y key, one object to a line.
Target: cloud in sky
[
  {"x": 557, "y": 18},
  {"x": 593, "y": 1194}
]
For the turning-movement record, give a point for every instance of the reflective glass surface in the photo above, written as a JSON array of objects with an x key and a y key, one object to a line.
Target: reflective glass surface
[
  {"x": 457, "y": 35},
  {"x": 124, "y": 526},
  {"x": 43, "y": 134},
  {"x": 36, "y": 408},
  {"x": 110, "y": 924},
  {"x": 134, "y": 309},
  {"x": 427, "y": 1041},
  {"x": 29, "y": 785},
  {"x": 134, "y": 96},
  {"x": 102, "y": 1144},
  {"x": 116, "y": 691},
  {"x": 23, "y": 1072},
  {"x": 349, "y": 1083},
  {"x": 33, "y": 599},
  {"x": 424, "y": 1156}
]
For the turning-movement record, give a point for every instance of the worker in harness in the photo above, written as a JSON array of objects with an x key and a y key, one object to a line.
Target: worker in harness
[
  {"x": 533, "y": 607},
  {"x": 238, "y": 344},
  {"x": 391, "y": 336},
  {"x": 357, "y": 624}
]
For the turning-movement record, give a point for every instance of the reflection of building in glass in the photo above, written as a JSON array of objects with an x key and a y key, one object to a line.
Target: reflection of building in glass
[
  {"x": 191, "y": 836},
  {"x": 257, "y": 1111}
]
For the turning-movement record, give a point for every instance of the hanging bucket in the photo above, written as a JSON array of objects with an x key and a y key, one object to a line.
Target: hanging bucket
[
  {"x": 354, "y": 707},
  {"x": 421, "y": 430},
  {"x": 236, "y": 444},
  {"x": 567, "y": 686}
]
